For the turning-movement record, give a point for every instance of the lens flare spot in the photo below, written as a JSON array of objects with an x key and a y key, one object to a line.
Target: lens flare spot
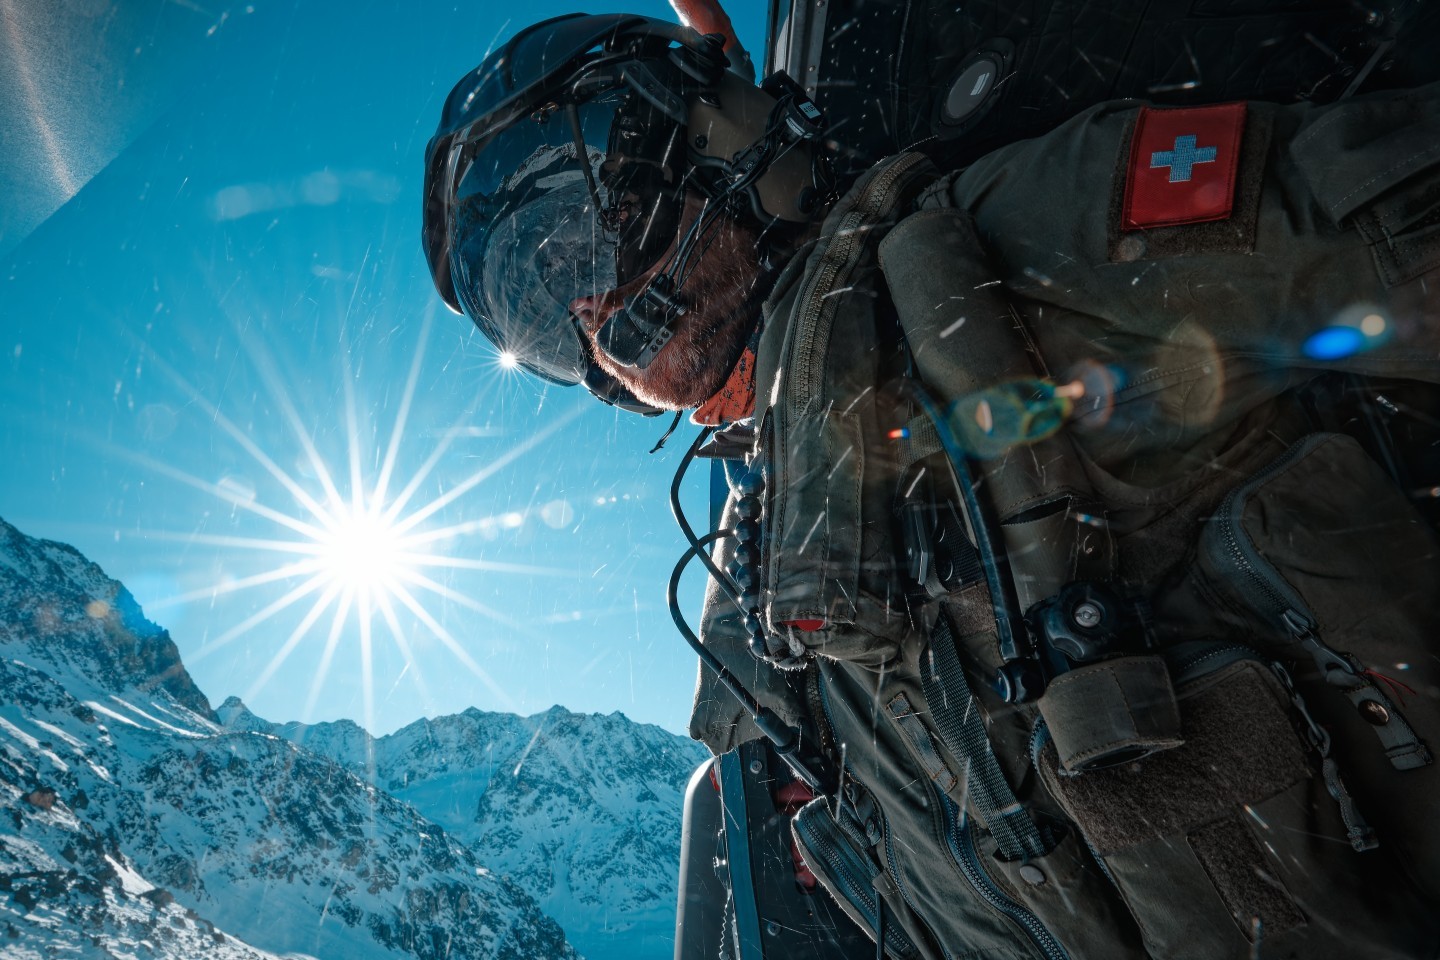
[
  {"x": 1373, "y": 325},
  {"x": 509, "y": 360},
  {"x": 984, "y": 416},
  {"x": 1333, "y": 343},
  {"x": 557, "y": 514}
]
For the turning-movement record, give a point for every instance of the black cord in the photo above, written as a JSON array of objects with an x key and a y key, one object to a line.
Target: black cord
[
  {"x": 1014, "y": 643},
  {"x": 785, "y": 737},
  {"x": 727, "y": 586},
  {"x": 673, "y": 424},
  {"x": 701, "y": 247},
  {"x": 715, "y": 206}
]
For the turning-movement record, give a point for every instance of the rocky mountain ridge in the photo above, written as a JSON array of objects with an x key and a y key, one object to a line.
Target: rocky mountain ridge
[
  {"x": 135, "y": 823},
  {"x": 582, "y": 811}
]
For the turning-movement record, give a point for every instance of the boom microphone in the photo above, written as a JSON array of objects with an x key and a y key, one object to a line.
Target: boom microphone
[{"x": 636, "y": 332}]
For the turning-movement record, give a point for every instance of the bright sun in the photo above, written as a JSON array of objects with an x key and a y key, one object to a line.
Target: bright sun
[
  {"x": 363, "y": 556},
  {"x": 362, "y": 551}
]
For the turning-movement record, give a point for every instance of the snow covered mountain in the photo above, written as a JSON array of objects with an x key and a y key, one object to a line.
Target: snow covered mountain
[
  {"x": 582, "y": 811},
  {"x": 133, "y": 823}
]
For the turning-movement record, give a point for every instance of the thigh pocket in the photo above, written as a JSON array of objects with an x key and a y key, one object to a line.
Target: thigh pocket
[
  {"x": 1187, "y": 818},
  {"x": 1230, "y": 841}
]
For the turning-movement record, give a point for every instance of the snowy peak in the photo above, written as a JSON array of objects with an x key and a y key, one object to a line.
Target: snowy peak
[
  {"x": 234, "y": 715},
  {"x": 86, "y": 622},
  {"x": 342, "y": 741},
  {"x": 581, "y": 810},
  {"x": 132, "y": 823}
]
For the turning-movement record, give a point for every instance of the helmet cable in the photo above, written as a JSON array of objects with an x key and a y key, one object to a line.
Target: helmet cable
[
  {"x": 726, "y": 584},
  {"x": 659, "y": 444},
  {"x": 785, "y": 737}
]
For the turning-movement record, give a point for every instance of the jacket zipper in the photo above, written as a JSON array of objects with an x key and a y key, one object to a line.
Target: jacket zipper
[
  {"x": 847, "y": 875},
  {"x": 1285, "y": 604},
  {"x": 1287, "y": 609},
  {"x": 815, "y": 699},
  {"x": 877, "y": 193},
  {"x": 895, "y": 874},
  {"x": 844, "y": 869},
  {"x": 962, "y": 849}
]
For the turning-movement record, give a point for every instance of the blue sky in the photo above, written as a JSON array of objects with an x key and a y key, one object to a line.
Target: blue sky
[{"x": 235, "y": 308}]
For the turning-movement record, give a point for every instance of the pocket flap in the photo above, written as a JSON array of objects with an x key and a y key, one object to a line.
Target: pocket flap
[
  {"x": 1239, "y": 748},
  {"x": 1324, "y": 532},
  {"x": 1353, "y": 152},
  {"x": 812, "y": 536}
]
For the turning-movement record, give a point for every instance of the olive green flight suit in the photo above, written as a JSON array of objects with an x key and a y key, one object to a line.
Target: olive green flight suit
[{"x": 1196, "y": 343}]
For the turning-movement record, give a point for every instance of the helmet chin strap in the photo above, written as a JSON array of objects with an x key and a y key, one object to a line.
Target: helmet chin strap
[{"x": 637, "y": 332}]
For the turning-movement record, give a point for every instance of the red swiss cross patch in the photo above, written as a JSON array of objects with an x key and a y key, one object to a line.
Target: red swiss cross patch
[{"x": 1182, "y": 166}]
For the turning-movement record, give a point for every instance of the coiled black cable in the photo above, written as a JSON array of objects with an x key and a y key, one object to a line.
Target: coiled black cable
[
  {"x": 785, "y": 737},
  {"x": 722, "y": 579}
]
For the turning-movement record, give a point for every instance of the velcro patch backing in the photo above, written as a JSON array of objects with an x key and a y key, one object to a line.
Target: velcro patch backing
[
  {"x": 1235, "y": 234},
  {"x": 1183, "y": 164}
]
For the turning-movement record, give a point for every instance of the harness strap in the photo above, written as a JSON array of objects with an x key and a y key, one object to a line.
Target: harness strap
[
  {"x": 921, "y": 441},
  {"x": 957, "y": 719}
]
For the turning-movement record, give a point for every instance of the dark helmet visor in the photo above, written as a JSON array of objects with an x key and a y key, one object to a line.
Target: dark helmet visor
[
  {"x": 518, "y": 276},
  {"x": 573, "y": 201}
]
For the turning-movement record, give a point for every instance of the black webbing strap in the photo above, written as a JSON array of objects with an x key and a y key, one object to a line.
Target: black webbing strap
[{"x": 957, "y": 718}]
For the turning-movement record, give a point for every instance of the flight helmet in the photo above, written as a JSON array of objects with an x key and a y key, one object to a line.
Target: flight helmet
[{"x": 560, "y": 168}]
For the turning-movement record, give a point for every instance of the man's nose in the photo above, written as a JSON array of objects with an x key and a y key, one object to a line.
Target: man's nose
[{"x": 594, "y": 310}]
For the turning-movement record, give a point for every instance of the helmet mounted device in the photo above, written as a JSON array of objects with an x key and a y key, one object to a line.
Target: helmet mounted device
[{"x": 559, "y": 171}]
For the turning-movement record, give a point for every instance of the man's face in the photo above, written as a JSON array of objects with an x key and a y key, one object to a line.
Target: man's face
[{"x": 723, "y": 294}]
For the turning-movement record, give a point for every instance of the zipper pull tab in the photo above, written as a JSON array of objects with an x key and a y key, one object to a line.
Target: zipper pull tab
[
  {"x": 1405, "y": 750},
  {"x": 1302, "y": 628},
  {"x": 1358, "y": 832}
]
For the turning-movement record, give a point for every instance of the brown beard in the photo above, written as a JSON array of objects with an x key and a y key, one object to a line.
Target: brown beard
[{"x": 723, "y": 293}]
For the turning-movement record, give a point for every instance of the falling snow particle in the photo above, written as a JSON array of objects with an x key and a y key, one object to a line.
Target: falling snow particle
[{"x": 1038, "y": 277}]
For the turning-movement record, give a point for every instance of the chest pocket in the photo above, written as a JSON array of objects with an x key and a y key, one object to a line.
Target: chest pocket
[
  {"x": 813, "y": 520},
  {"x": 1376, "y": 165},
  {"x": 827, "y": 548}
]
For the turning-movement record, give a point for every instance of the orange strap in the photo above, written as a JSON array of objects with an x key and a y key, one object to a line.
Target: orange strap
[{"x": 706, "y": 16}]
